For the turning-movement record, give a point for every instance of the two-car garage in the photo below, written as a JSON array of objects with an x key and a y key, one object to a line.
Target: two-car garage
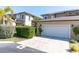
[{"x": 56, "y": 30}]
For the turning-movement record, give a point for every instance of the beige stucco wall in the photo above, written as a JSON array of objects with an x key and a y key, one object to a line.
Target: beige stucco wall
[{"x": 60, "y": 14}]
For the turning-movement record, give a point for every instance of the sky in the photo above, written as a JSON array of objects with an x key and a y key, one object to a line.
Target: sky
[{"x": 39, "y": 10}]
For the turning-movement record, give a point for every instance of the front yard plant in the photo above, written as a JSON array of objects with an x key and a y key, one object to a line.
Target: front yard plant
[
  {"x": 6, "y": 23},
  {"x": 74, "y": 47},
  {"x": 73, "y": 44},
  {"x": 6, "y": 31},
  {"x": 76, "y": 31},
  {"x": 25, "y": 31}
]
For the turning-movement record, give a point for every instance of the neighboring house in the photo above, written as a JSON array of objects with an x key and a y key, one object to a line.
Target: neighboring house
[
  {"x": 23, "y": 19},
  {"x": 59, "y": 25}
]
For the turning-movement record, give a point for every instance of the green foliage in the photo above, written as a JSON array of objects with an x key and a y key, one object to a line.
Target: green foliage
[
  {"x": 8, "y": 9},
  {"x": 13, "y": 39},
  {"x": 76, "y": 30},
  {"x": 6, "y": 31},
  {"x": 72, "y": 41},
  {"x": 25, "y": 31},
  {"x": 36, "y": 18},
  {"x": 3, "y": 12}
]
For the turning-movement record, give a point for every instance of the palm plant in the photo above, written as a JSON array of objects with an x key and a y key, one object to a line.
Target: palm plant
[
  {"x": 6, "y": 23},
  {"x": 4, "y": 16}
]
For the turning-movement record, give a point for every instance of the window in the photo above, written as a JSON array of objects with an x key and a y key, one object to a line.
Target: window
[
  {"x": 55, "y": 16},
  {"x": 18, "y": 16},
  {"x": 71, "y": 14},
  {"x": 52, "y": 17},
  {"x": 45, "y": 17},
  {"x": 22, "y": 16}
]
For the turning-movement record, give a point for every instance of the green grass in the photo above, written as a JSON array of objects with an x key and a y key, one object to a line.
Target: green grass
[{"x": 14, "y": 39}]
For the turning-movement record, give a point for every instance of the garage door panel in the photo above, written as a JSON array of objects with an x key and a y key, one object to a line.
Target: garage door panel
[{"x": 62, "y": 31}]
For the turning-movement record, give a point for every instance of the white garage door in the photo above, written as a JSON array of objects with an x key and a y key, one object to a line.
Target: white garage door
[{"x": 61, "y": 31}]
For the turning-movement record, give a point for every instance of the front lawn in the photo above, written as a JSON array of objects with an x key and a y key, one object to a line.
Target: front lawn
[{"x": 14, "y": 39}]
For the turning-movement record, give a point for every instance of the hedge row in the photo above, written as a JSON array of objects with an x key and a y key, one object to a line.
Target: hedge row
[{"x": 25, "y": 31}]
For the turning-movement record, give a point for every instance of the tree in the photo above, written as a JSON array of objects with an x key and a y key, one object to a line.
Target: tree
[
  {"x": 37, "y": 25},
  {"x": 36, "y": 18},
  {"x": 4, "y": 17},
  {"x": 7, "y": 26}
]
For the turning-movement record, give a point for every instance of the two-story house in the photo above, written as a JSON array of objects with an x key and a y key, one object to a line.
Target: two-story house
[
  {"x": 59, "y": 25},
  {"x": 23, "y": 19}
]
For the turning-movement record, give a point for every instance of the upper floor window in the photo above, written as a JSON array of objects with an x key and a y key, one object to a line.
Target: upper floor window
[
  {"x": 22, "y": 16},
  {"x": 18, "y": 16},
  {"x": 52, "y": 17},
  {"x": 45, "y": 17},
  {"x": 71, "y": 14}
]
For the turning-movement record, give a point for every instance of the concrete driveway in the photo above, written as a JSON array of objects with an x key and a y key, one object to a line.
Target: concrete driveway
[
  {"x": 35, "y": 45},
  {"x": 47, "y": 44}
]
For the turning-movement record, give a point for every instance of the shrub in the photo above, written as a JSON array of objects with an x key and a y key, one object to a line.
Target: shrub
[
  {"x": 74, "y": 47},
  {"x": 72, "y": 41},
  {"x": 6, "y": 31},
  {"x": 76, "y": 30},
  {"x": 25, "y": 31}
]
